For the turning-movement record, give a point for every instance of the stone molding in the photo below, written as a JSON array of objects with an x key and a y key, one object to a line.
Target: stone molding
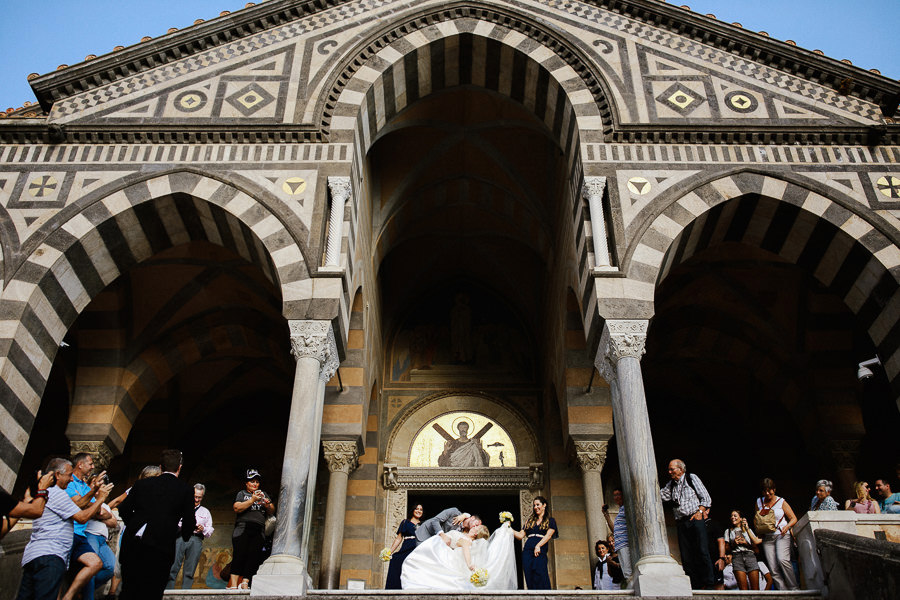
[
  {"x": 454, "y": 478},
  {"x": 591, "y": 455},
  {"x": 100, "y": 451},
  {"x": 341, "y": 455},
  {"x": 315, "y": 339}
]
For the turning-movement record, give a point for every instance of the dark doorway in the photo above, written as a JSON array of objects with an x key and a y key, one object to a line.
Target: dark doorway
[{"x": 488, "y": 506}]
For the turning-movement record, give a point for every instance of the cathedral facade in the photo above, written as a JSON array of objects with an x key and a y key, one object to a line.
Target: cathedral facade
[{"x": 393, "y": 252}]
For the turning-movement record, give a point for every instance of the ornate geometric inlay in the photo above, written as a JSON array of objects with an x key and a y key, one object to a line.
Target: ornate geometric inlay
[
  {"x": 452, "y": 478},
  {"x": 42, "y": 186},
  {"x": 250, "y": 99},
  {"x": 681, "y": 98},
  {"x": 639, "y": 186},
  {"x": 190, "y": 101},
  {"x": 294, "y": 186},
  {"x": 889, "y": 186},
  {"x": 741, "y": 102}
]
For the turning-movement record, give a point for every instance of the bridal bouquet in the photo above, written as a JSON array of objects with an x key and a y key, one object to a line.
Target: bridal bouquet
[
  {"x": 506, "y": 517},
  {"x": 479, "y": 577},
  {"x": 384, "y": 555}
]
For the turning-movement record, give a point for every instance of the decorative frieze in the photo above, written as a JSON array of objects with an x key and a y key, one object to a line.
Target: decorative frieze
[{"x": 453, "y": 478}]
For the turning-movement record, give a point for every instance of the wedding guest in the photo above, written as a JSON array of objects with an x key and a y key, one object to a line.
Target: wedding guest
[
  {"x": 741, "y": 557},
  {"x": 823, "y": 500},
  {"x": 148, "y": 471},
  {"x": 404, "y": 543},
  {"x": 763, "y": 581},
  {"x": 777, "y": 539},
  {"x": 620, "y": 532},
  {"x": 188, "y": 552},
  {"x": 539, "y": 529},
  {"x": 607, "y": 572},
  {"x": 252, "y": 506},
  {"x": 11, "y": 510},
  {"x": 863, "y": 503},
  {"x": 891, "y": 501}
]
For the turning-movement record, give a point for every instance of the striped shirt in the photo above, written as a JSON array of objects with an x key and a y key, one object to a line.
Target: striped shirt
[
  {"x": 620, "y": 529},
  {"x": 52, "y": 533}
]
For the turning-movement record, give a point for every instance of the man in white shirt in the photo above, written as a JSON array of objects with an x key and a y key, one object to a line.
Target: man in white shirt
[{"x": 189, "y": 552}]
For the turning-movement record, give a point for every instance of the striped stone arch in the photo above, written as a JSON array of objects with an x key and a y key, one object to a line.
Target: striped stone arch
[
  {"x": 465, "y": 45},
  {"x": 93, "y": 247},
  {"x": 839, "y": 247}
]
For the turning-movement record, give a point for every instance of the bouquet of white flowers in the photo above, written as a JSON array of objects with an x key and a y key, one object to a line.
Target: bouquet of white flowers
[
  {"x": 384, "y": 555},
  {"x": 479, "y": 577},
  {"x": 506, "y": 517}
]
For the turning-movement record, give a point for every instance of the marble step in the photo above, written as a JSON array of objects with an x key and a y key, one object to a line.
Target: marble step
[{"x": 490, "y": 595}]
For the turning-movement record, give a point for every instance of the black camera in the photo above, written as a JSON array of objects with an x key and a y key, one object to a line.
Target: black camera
[{"x": 605, "y": 507}]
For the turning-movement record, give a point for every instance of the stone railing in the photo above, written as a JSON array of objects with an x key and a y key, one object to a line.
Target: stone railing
[{"x": 875, "y": 527}]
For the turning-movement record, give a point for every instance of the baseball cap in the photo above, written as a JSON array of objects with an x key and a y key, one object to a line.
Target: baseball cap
[{"x": 253, "y": 474}]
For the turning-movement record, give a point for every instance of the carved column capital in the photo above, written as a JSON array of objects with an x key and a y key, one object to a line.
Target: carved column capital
[
  {"x": 315, "y": 339},
  {"x": 623, "y": 338},
  {"x": 845, "y": 453},
  {"x": 100, "y": 452},
  {"x": 339, "y": 188},
  {"x": 341, "y": 455},
  {"x": 591, "y": 455},
  {"x": 593, "y": 187}
]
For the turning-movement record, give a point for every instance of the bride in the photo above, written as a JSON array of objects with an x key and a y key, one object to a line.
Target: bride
[{"x": 446, "y": 561}]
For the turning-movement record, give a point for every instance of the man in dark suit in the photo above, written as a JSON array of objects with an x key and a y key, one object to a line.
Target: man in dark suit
[{"x": 151, "y": 513}]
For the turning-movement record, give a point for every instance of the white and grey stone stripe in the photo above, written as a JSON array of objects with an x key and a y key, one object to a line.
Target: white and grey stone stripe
[
  {"x": 465, "y": 52},
  {"x": 845, "y": 252}
]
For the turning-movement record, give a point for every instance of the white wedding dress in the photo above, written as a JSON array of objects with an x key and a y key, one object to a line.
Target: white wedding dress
[{"x": 435, "y": 566}]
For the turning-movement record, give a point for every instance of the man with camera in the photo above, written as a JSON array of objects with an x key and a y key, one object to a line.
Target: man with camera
[
  {"x": 620, "y": 532},
  {"x": 690, "y": 504},
  {"x": 89, "y": 549},
  {"x": 45, "y": 558}
]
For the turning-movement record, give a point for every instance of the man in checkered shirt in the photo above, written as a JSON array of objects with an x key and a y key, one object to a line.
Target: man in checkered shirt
[{"x": 690, "y": 503}]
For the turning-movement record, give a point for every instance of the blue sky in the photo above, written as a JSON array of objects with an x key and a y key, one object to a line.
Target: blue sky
[{"x": 36, "y": 37}]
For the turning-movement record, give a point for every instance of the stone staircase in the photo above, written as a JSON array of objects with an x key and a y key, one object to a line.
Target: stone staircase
[{"x": 491, "y": 595}]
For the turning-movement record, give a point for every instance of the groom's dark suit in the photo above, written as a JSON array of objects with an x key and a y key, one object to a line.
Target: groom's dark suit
[
  {"x": 443, "y": 521},
  {"x": 153, "y": 509}
]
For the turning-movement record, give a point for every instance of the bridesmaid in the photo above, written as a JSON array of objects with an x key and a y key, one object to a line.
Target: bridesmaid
[
  {"x": 539, "y": 529},
  {"x": 406, "y": 542}
]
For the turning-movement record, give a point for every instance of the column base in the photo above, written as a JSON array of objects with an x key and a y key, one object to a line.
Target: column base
[
  {"x": 281, "y": 575},
  {"x": 659, "y": 576}
]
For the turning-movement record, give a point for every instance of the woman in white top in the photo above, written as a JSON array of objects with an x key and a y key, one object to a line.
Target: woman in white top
[{"x": 777, "y": 544}]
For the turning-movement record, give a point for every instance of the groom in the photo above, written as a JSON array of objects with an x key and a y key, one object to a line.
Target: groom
[{"x": 446, "y": 520}]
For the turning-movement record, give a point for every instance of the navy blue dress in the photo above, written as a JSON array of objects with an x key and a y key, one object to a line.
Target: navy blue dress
[
  {"x": 406, "y": 529},
  {"x": 537, "y": 577}
]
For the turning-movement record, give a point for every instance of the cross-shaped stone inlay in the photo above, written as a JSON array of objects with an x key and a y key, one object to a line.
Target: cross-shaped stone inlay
[
  {"x": 42, "y": 186},
  {"x": 889, "y": 186}
]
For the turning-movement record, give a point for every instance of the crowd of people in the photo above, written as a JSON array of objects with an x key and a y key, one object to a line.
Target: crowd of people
[
  {"x": 164, "y": 526},
  {"x": 755, "y": 554}
]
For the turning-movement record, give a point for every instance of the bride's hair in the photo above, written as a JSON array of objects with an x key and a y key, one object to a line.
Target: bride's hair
[
  {"x": 483, "y": 532},
  {"x": 533, "y": 519}
]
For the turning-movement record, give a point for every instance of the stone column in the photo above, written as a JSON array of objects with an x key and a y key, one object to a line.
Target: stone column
[
  {"x": 100, "y": 451},
  {"x": 593, "y": 192},
  {"x": 591, "y": 457},
  {"x": 654, "y": 572},
  {"x": 340, "y": 193},
  {"x": 342, "y": 458},
  {"x": 285, "y": 572}
]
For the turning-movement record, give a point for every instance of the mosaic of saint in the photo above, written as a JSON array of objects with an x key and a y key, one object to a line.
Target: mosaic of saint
[
  {"x": 462, "y": 439},
  {"x": 461, "y": 336}
]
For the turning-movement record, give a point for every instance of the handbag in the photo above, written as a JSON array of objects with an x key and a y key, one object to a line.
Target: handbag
[{"x": 764, "y": 522}]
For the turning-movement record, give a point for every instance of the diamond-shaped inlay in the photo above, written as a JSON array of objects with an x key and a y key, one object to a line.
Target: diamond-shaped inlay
[
  {"x": 681, "y": 98},
  {"x": 250, "y": 99}
]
